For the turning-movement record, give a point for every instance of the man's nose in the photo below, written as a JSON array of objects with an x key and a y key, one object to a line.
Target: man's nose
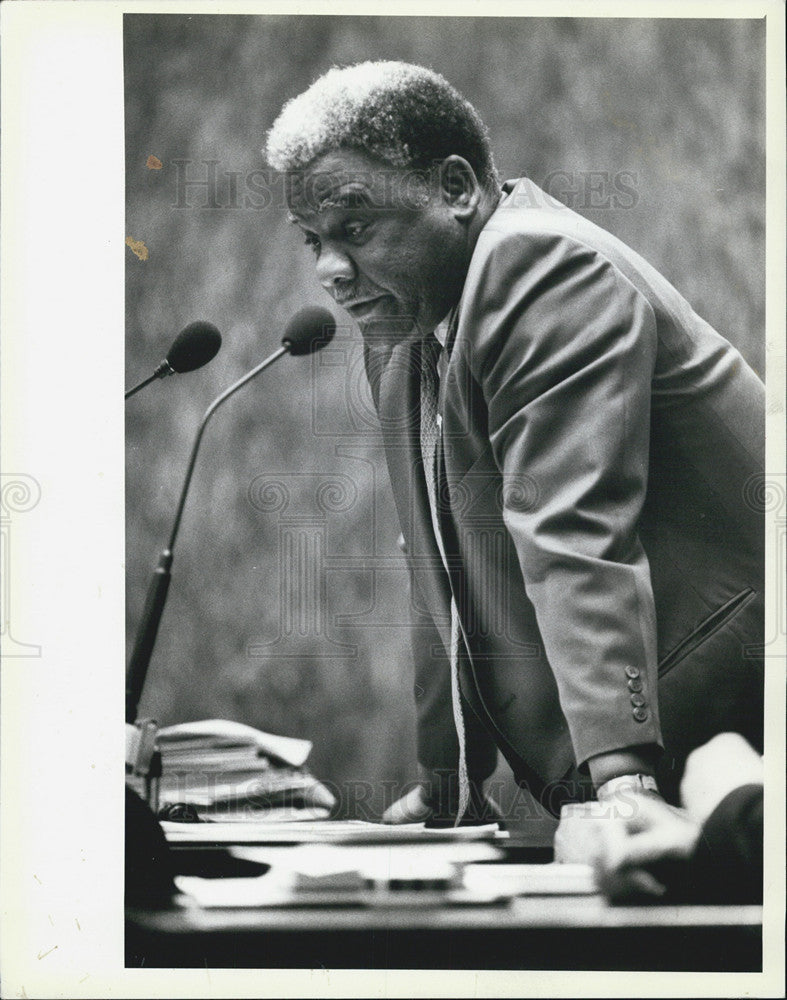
[{"x": 334, "y": 268}]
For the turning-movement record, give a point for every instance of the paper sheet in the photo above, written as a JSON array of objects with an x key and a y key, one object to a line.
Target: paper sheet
[{"x": 322, "y": 831}]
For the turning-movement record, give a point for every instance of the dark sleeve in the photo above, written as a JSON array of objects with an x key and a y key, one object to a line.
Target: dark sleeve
[
  {"x": 437, "y": 742},
  {"x": 565, "y": 351},
  {"x": 728, "y": 856},
  {"x": 726, "y": 866}
]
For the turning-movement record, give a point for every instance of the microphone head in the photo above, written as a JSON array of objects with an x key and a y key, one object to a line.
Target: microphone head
[
  {"x": 309, "y": 330},
  {"x": 194, "y": 347}
]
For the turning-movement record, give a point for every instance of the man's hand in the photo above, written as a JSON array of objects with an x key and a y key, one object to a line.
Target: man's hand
[
  {"x": 654, "y": 835},
  {"x": 584, "y": 827},
  {"x": 410, "y": 808},
  {"x": 435, "y": 799},
  {"x": 714, "y": 770},
  {"x": 632, "y": 855}
]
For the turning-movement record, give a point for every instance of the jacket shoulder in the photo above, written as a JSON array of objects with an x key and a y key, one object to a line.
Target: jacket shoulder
[{"x": 529, "y": 221}]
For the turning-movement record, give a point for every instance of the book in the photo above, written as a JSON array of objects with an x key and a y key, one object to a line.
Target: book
[
  {"x": 230, "y": 770},
  {"x": 207, "y": 734}
]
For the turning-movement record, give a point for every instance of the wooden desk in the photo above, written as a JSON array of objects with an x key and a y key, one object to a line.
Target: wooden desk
[
  {"x": 579, "y": 931},
  {"x": 565, "y": 932}
]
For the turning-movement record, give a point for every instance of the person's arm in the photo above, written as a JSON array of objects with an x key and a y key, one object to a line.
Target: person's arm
[
  {"x": 565, "y": 353},
  {"x": 722, "y": 790},
  {"x": 662, "y": 851},
  {"x": 711, "y": 851},
  {"x": 727, "y": 860}
]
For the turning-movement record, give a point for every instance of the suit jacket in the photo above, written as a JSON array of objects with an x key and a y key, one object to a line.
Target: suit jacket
[
  {"x": 600, "y": 460},
  {"x": 727, "y": 864}
]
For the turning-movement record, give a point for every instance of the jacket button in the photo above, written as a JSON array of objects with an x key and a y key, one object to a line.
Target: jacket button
[
  {"x": 640, "y": 714},
  {"x": 635, "y": 684},
  {"x": 632, "y": 672},
  {"x": 637, "y": 700}
]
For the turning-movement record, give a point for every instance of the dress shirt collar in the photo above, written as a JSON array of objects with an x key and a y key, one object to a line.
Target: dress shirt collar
[{"x": 443, "y": 328}]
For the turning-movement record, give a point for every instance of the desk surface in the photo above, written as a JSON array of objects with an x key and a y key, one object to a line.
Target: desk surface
[
  {"x": 564, "y": 928},
  {"x": 557, "y": 932}
]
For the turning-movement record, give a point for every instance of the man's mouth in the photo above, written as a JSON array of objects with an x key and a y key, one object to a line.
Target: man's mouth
[{"x": 360, "y": 308}]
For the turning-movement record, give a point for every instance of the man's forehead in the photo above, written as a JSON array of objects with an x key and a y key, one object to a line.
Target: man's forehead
[
  {"x": 348, "y": 180},
  {"x": 321, "y": 194}
]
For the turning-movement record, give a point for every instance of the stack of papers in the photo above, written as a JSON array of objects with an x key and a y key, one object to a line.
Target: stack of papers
[
  {"x": 227, "y": 770},
  {"x": 195, "y": 740},
  {"x": 312, "y": 875},
  {"x": 379, "y": 866},
  {"x": 339, "y": 874}
]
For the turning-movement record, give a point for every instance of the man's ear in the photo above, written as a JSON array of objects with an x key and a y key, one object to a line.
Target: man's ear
[{"x": 459, "y": 186}]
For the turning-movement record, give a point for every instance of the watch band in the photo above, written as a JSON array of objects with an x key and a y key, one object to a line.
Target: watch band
[{"x": 627, "y": 783}]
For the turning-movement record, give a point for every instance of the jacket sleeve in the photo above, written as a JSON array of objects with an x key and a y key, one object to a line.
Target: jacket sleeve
[
  {"x": 728, "y": 859},
  {"x": 564, "y": 350},
  {"x": 726, "y": 865}
]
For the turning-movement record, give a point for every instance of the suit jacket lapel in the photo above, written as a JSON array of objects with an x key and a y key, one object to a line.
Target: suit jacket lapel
[{"x": 395, "y": 379}]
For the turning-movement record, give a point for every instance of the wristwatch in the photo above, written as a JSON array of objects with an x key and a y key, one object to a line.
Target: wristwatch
[{"x": 627, "y": 783}]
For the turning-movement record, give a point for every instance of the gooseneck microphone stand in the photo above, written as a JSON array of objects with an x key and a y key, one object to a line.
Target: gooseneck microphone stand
[
  {"x": 193, "y": 347},
  {"x": 308, "y": 331}
]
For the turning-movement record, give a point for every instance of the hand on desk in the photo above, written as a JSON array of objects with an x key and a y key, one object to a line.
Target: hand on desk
[
  {"x": 434, "y": 799},
  {"x": 410, "y": 808},
  {"x": 710, "y": 849},
  {"x": 657, "y": 835},
  {"x": 585, "y": 827}
]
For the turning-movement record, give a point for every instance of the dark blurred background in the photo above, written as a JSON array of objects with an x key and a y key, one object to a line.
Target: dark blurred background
[{"x": 288, "y": 605}]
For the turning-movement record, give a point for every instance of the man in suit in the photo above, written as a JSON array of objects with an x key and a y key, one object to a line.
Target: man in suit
[{"x": 571, "y": 449}]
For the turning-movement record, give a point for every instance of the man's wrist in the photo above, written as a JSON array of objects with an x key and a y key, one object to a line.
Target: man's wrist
[
  {"x": 627, "y": 783},
  {"x": 631, "y": 760}
]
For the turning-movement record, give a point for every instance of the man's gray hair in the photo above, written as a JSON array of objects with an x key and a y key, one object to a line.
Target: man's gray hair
[{"x": 404, "y": 115}]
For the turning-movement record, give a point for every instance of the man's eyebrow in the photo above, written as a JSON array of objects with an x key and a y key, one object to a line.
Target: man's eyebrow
[{"x": 353, "y": 198}]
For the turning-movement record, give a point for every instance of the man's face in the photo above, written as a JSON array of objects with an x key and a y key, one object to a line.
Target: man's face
[{"x": 387, "y": 245}]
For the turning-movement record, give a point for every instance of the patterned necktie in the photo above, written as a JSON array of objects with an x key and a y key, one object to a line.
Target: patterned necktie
[{"x": 430, "y": 439}]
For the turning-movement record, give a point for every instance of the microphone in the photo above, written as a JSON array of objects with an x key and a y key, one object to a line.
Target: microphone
[
  {"x": 193, "y": 347},
  {"x": 308, "y": 331}
]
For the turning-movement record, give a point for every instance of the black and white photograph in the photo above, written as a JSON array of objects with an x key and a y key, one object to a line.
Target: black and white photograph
[{"x": 439, "y": 539}]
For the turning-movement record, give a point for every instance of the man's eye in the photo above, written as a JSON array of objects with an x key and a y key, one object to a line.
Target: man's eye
[
  {"x": 312, "y": 241},
  {"x": 353, "y": 230}
]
